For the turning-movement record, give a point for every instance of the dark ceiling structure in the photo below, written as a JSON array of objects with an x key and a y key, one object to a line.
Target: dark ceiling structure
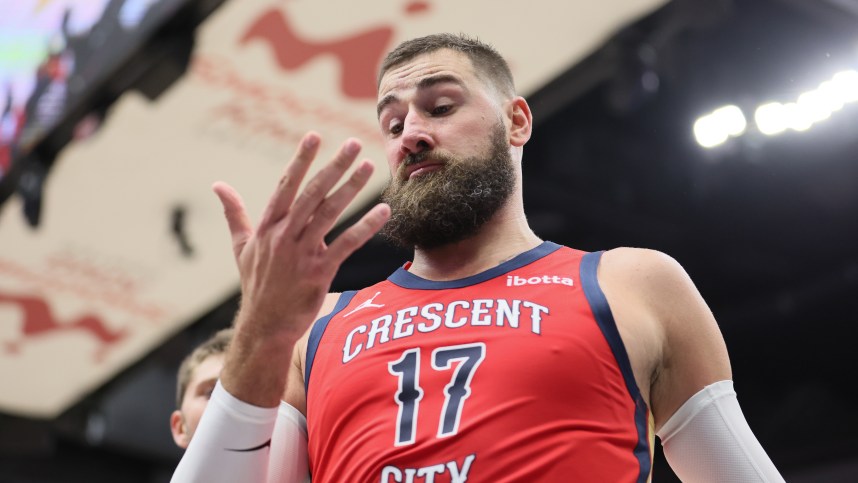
[{"x": 767, "y": 227}]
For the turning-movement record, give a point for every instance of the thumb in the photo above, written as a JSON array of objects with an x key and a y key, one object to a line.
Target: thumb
[{"x": 236, "y": 216}]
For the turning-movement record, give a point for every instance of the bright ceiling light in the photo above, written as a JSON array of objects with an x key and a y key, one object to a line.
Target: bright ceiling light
[
  {"x": 774, "y": 118},
  {"x": 770, "y": 119},
  {"x": 846, "y": 85},
  {"x": 810, "y": 108},
  {"x": 795, "y": 117},
  {"x": 715, "y": 128},
  {"x": 814, "y": 106},
  {"x": 730, "y": 119},
  {"x": 831, "y": 96},
  {"x": 708, "y": 133}
]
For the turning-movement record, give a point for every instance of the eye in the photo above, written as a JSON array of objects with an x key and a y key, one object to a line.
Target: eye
[
  {"x": 205, "y": 390},
  {"x": 441, "y": 110},
  {"x": 391, "y": 124}
]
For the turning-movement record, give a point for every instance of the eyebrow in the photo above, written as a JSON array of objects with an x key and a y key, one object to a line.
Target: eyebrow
[
  {"x": 205, "y": 382},
  {"x": 424, "y": 83}
]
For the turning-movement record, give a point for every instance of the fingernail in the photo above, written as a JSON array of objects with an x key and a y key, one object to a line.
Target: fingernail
[
  {"x": 352, "y": 147},
  {"x": 311, "y": 141},
  {"x": 365, "y": 167}
]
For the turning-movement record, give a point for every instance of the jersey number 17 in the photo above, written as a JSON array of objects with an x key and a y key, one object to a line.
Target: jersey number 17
[{"x": 456, "y": 392}]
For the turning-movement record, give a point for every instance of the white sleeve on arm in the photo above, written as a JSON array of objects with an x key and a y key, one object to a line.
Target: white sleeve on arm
[
  {"x": 289, "y": 463},
  {"x": 235, "y": 441},
  {"x": 708, "y": 439}
]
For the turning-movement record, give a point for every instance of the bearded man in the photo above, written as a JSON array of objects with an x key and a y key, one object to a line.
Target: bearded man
[{"x": 493, "y": 355}]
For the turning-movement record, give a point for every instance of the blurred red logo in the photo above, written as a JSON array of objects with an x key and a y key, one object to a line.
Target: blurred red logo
[
  {"x": 38, "y": 321},
  {"x": 358, "y": 54}
]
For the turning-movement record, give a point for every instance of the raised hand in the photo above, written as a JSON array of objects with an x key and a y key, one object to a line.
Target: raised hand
[{"x": 286, "y": 268}]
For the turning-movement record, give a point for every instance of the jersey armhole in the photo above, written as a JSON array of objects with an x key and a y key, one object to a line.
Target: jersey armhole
[
  {"x": 608, "y": 326},
  {"x": 318, "y": 330}
]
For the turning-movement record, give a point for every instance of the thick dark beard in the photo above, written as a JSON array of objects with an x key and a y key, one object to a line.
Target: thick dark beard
[{"x": 452, "y": 203}]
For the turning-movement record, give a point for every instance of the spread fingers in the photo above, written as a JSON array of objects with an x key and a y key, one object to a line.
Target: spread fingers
[{"x": 281, "y": 201}]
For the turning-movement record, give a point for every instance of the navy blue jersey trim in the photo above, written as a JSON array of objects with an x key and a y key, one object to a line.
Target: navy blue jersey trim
[
  {"x": 605, "y": 320},
  {"x": 406, "y": 279},
  {"x": 316, "y": 335},
  {"x": 642, "y": 449}
]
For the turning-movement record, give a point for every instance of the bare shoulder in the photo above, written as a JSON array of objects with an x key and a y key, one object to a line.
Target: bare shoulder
[
  {"x": 294, "y": 393},
  {"x": 641, "y": 265},
  {"x": 625, "y": 276},
  {"x": 300, "y": 351},
  {"x": 656, "y": 280},
  {"x": 328, "y": 305},
  {"x": 658, "y": 294}
]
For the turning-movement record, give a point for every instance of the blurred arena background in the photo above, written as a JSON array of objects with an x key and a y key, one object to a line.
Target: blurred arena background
[{"x": 722, "y": 132}]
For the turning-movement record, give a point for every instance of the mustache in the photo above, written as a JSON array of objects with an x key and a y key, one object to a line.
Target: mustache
[
  {"x": 414, "y": 158},
  {"x": 411, "y": 159}
]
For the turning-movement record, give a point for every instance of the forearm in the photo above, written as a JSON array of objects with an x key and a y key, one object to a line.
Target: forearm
[
  {"x": 289, "y": 461},
  {"x": 257, "y": 365},
  {"x": 236, "y": 441},
  {"x": 230, "y": 443},
  {"x": 708, "y": 439}
]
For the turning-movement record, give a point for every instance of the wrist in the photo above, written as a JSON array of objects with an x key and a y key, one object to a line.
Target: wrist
[{"x": 256, "y": 367}]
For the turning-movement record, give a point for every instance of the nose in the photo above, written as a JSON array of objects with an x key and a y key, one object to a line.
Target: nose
[{"x": 416, "y": 136}]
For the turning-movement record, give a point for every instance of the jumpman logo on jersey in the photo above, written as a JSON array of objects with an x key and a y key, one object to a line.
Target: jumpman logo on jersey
[{"x": 366, "y": 304}]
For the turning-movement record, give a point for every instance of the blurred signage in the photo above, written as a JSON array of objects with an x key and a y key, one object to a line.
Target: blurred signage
[
  {"x": 55, "y": 52},
  {"x": 112, "y": 271}
]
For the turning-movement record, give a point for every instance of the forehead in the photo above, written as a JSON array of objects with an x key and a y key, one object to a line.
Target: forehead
[
  {"x": 443, "y": 62},
  {"x": 209, "y": 368}
]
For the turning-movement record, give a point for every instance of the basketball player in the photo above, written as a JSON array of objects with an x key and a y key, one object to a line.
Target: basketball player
[
  {"x": 491, "y": 356},
  {"x": 196, "y": 379}
]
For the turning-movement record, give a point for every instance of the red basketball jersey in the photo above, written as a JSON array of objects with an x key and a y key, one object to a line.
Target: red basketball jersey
[{"x": 514, "y": 374}]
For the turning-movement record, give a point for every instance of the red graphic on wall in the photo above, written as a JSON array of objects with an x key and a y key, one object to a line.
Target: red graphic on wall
[
  {"x": 38, "y": 321},
  {"x": 417, "y": 7},
  {"x": 358, "y": 55}
]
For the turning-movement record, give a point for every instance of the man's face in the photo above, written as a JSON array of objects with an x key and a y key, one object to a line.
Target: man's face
[
  {"x": 451, "y": 203},
  {"x": 184, "y": 421},
  {"x": 447, "y": 147}
]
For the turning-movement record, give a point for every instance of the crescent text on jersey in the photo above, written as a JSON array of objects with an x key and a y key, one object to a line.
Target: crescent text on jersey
[{"x": 431, "y": 317}]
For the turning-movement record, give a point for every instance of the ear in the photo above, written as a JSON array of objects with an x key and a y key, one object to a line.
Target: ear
[
  {"x": 179, "y": 430},
  {"x": 521, "y": 121}
]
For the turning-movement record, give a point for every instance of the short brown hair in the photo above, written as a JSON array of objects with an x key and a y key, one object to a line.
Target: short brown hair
[
  {"x": 216, "y": 344},
  {"x": 487, "y": 62}
]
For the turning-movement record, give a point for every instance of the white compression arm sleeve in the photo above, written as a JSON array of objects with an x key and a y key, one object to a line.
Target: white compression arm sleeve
[
  {"x": 236, "y": 441},
  {"x": 708, "y": 439},
  {"x": 289, "y": 463}
]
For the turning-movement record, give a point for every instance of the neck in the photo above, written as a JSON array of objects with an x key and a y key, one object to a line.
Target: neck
[{"x": 503, "y": 237}]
